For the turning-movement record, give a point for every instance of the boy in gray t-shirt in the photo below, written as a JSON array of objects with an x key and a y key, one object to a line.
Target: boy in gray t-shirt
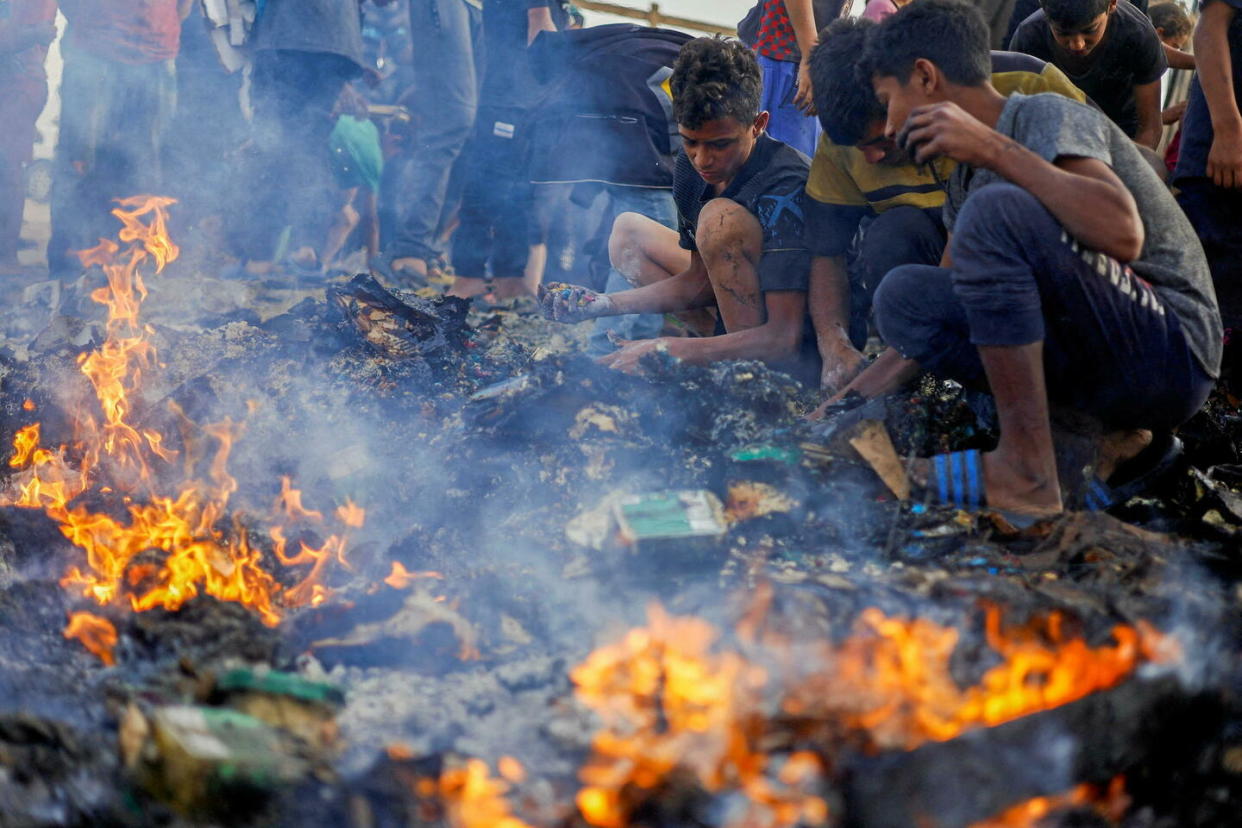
[{"x": 1073, "y": 279}]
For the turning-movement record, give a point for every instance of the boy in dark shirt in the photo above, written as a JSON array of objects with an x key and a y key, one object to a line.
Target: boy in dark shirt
[
  {"x": 1109, "y": 50},
  {"x": 1073, "y": 278},
  {"x": 739, "y": 247},
  {"x": 1209, "y": 169}
]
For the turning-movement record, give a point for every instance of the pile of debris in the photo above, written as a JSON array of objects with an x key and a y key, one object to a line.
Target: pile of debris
[{"x": 461, "y": 575}]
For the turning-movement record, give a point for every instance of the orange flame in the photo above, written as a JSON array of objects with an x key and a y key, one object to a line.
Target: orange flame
[
  {"x": 474, "y": 799},
  {"x": 666, "y": 702},
  {"x": 188, "y": 530},
  {"x": 1111, "y": 804},
  {"x": 400, "y": 577},
  {"x": 892, "y": 678},
  {"x": 96, "y": 634}
]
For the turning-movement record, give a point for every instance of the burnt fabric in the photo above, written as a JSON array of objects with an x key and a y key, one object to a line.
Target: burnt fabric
[
  {"x": 1018, "y": 278},
  {"x": 769, "y": 186}
]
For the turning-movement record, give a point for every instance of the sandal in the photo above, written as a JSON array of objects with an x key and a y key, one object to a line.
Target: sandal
[
  {"x": 958, "y": 479},
  {"x": 1136, "y": 475}
]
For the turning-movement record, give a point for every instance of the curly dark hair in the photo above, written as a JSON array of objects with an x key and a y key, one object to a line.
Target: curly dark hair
[
  {"x": 949, "y": 33},
  {"x": 842, "y": 83},
  {"x": 713, "y": 78}
]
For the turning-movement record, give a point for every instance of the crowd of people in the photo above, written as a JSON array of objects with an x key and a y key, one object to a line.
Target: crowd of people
[{"x": 996, "y": 217}]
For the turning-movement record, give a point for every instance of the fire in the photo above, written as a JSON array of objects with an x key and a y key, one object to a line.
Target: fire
[
  {"x": 172, "y": 543},
  {"x": 892, "y": 679},
  {"x": 1110, "y": 803},
  {"x": 96, "y": 634},
  {"x": 400, "y": 577},
  {"x": 474, "y": 799},
  {"x": 668, "y": 702}
]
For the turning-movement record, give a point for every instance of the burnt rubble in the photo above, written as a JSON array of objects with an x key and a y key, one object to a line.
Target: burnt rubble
[{"x": 494, "y": 461}]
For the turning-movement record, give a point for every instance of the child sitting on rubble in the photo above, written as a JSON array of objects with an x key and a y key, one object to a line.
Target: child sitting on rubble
[
  {"x": 739, "y": 252},
  {"x": 1110, "y": 50},
  {"x": 1073, "y": 279}
]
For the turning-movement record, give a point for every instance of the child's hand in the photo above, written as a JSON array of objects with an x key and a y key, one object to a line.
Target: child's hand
[{"x": 572, "y": 303}]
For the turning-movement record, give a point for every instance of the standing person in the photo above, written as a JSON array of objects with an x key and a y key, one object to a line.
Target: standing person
[
  {"x": 1209, "y": 169},
  {"x": 787, "y": 32},
  {"x": 118, "y": 94},
  {"x": 494, "y": 237},
  {"x": 305, "y": 51},
  {"x": 25, "y": 34},
  {"x": 1110, "y": 50},
  {"x": 447, "y": 48}
]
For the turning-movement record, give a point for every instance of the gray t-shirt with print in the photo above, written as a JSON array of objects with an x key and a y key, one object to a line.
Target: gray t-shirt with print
[{"x": 1172, "y": 260}]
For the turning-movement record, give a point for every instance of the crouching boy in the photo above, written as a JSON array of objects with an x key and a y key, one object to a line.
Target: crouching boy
[
  {"x": 739, "y": 250},
  {"x": 1074, "y": 279}
]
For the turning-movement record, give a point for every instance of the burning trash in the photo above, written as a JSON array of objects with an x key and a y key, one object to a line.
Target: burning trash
[{"x": 375, "y": 559}]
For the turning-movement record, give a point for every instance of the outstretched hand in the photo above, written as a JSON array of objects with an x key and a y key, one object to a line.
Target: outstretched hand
[
  {"x": 562, "y": 302},
  {"x": 945, "y": 130},
  {"x": 628, "y": 358}
]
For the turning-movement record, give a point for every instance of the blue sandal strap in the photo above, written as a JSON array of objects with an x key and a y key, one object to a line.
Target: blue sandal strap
[{"x": 959, "y": 479}]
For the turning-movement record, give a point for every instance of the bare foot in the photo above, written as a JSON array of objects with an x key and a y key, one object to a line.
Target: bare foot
[
  {"x": 467, "y": 287},
  {"x": 1007, "y": 486},
  {"x": 410, "y": 266},
  {"x": 1117, "y": 447}
]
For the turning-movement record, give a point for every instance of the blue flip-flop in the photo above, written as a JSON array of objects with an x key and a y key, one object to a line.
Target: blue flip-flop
[
  {"x": 1135, "y": 476},
  {"x": 958, "y": 477}
]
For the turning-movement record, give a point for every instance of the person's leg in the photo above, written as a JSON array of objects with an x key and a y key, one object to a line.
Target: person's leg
[
  {"x": 730, "y": 241},
  {"x": 1038, "y": 307},
  {"x": 19, "y": 109},
  {"x": 78, "y": 209},
  {"x": 445, "y": 103},
  {"x": 472, "y": 243},
  {"x": 786, "y": 123},
  {"x": 637, "y": 203},
  {"x": 1216, "y": 214},
  {"x": 899, "y": 236}
]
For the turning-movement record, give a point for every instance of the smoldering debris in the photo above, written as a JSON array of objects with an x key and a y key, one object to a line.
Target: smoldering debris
[{"x": 523, "y": 509}]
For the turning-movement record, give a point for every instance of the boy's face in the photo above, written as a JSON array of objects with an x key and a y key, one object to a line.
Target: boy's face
[
  {"x": 1080, "y": 39},
  {"x": 719, "y": 148},
  {"x": 878, "y": 148},
  {"x": 1174, "y": 41},
  {"x": 899, "y": 99}
]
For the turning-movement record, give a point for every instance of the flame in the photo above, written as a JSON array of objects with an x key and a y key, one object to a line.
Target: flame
[
  {"x": 1110, "y": 803},
  {"x": 28, "y": 405},
  {"x": 667, "y": 702},
  {"x": 170, "y": 545},
  {"x": 474, "y": 799},
  {"x": 351, "y": 514},
  {"x": 400, "y": 577},
  {"x": 96, "y": 634},
  {"x": 892, "y": 677}
]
